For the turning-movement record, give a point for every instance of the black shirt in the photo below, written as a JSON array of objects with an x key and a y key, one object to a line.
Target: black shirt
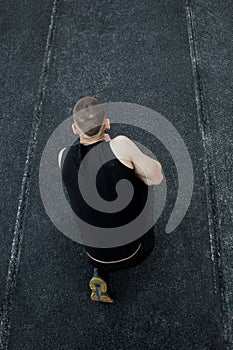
[{"x": 107, "y": 177}]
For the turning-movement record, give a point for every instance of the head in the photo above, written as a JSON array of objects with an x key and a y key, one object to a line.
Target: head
[{"x": 89, "y": 118}]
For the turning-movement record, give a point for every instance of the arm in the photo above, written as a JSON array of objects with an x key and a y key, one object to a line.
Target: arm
[
  {"x": 146, "y": 168},
  {"x": 59, "y": 157}
]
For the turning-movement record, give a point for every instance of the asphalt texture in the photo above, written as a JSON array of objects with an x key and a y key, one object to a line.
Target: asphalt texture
[{"x": 175, "y": 58}]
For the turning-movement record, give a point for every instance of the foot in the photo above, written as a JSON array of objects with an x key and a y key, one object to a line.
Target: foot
[{"x": 98, "y": 285}]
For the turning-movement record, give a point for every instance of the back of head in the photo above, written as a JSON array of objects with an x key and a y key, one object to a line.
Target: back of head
[{"x": 89, "y": 116}]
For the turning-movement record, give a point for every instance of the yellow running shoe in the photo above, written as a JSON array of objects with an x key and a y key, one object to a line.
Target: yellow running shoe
[{"x": 99, "y": 287}]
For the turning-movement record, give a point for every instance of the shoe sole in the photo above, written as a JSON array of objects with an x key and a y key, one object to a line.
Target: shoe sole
[{"x": 99, "y": 290}]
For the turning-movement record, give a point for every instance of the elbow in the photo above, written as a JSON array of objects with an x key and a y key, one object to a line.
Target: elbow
[
  {"x": 159, "y": 179},
  {"x": 159, "y": 174}
]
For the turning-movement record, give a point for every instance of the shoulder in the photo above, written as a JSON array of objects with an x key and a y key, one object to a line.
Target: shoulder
[
  {"x": 122, "y": 140},
  {"x": 122, "y": 143},
  {"x": 126, "y": 145},
  {"x": 122, "y": 148},
  {"x": 121, "y": 137}
]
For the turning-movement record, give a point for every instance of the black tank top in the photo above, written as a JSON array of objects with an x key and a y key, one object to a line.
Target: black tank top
[{"x": 107, "y": 178}]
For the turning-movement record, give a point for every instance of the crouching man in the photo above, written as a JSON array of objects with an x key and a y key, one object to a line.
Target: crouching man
[{"x": 127, "y": 162}]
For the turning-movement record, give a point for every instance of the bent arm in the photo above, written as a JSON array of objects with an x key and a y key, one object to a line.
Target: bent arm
[{"x": 146, "y": 168}]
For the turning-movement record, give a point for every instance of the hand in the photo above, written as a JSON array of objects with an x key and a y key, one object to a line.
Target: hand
[{"x": 107, "y": 137}]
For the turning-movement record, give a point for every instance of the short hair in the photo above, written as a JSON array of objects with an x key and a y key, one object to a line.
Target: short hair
[{"x": 89, "y": 116}]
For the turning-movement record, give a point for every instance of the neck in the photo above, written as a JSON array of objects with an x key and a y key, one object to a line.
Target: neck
[{"x": 89, "y": 141}]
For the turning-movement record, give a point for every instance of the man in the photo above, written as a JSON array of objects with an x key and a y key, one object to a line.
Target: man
[{"x": 128, "y": 162}]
